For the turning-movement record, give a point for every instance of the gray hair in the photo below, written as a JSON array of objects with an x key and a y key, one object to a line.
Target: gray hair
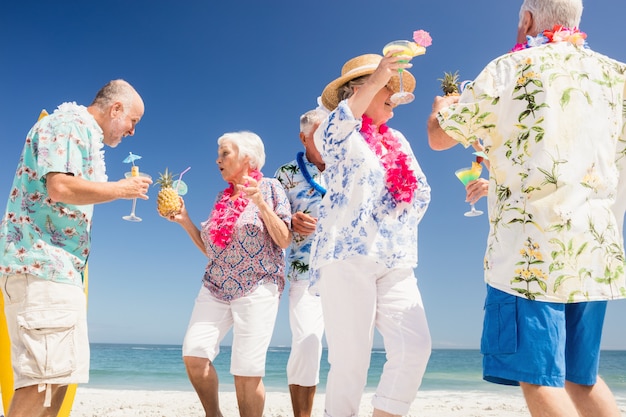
[
  {"x": 547, "y": 13},
  {"x": 346, "y": 90},
  {"x": 116, "y": 90},
  {"x": 249, "y": 144},
  {"x": 310, "y": 119}
]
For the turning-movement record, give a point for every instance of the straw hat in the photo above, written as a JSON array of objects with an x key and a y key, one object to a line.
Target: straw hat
[{"x": 357, "y": 67}]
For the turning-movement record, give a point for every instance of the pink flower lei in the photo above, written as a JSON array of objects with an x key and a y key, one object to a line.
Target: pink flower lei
[
  {"x": 557, "y": 34},
  {"x": 401, "y": 181},
  {"x": 226, "y": 212}
]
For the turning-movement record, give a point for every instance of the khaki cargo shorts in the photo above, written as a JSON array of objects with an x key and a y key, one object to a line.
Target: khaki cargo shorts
[{"x": 47, "y": 324}]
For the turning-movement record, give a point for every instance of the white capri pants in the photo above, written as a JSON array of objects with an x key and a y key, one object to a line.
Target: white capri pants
[
  {"x": 307, "y": 328},
  {"x": 252, "y": 318},
  {"x": 358, "y": 294}
]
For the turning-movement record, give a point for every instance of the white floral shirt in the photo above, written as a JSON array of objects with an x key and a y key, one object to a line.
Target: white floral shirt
[
  {"x": 38, "y": 236},
  {"x": 358, "y": 216},
  {"x": 552, "y": 121},
  {"x": 302, "y": 197}
]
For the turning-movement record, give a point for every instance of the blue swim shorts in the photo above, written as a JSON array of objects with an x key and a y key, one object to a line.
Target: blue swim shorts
[{"x": 540, "y": 343}]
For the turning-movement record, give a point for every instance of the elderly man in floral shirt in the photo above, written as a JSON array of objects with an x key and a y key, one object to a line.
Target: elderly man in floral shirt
[
  {"x": 45, "y": 239},
  {"x": 302, "y": 180},
  {"x": 551, "y": 115}
]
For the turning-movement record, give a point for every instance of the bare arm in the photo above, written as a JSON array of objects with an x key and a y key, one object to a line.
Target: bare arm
[
  {"x": 69, "y": 189},
  {"x": 438, "y": 139},
  {"x": 184, "y": 220},
  {"x": 388, "y": 67},
  {"x": 276, "y": 227}
]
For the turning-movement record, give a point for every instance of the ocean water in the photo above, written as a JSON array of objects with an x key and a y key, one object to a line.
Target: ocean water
[{"x": 160, "y": 367}]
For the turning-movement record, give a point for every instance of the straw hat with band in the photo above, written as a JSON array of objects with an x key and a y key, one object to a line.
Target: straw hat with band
[{"x": 357, "y": 67}]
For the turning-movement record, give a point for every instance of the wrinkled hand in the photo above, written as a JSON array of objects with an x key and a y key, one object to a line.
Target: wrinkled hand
[
  {"x": 179, "y": 217},
  {"x": 135, "y": 187},
  {"x": 303, "y": 223},
  {"x": 441, "y": 102},
  {"x": 476, "y": 189},
  {"x": 388, "y": 67},
  {"x": 251, "y": 190}
]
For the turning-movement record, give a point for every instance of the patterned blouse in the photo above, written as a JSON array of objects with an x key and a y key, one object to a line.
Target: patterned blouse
[
  {"x": 251, "y": 258},
  {"x": 302, "y": 197},
  {"x": 38, "y": 236},
  {"x": 358, "y": 216},
  {"x": 552, "y": 121}
]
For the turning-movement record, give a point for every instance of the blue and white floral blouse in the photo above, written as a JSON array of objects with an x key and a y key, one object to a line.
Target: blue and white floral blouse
[{"x": 358, "y": 216}]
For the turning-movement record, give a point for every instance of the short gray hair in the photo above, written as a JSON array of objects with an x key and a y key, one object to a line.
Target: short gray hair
[
  {"x": 115, "y": 90},
  {"x": 310, "y": 119},
  {"x": 249, "y": 144},
  {"x": 547, "y": 13}
]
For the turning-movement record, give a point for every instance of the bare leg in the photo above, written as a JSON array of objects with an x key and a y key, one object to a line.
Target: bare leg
[
  {"x": 250, "y": 395},
  {"x": 593, "y": 401},
  {"x": 204, "y": 380},
  {"x": 28, "y": 402},
  {"x": 302, "y": 400},
  {"x": 548, "y": 401},
  {"x": 381, "y": 413}
]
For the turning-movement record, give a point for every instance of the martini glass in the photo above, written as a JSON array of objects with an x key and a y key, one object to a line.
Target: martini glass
[
  {"x": 466, "y": 175},
  {"x": 404, "y": 48},
  {"x": 132, "y": 217}
]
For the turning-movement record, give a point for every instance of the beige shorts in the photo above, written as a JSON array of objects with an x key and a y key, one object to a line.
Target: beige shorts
[{"x": 47, "y": 324}]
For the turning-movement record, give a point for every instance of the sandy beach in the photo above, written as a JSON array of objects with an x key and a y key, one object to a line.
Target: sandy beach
[{"x": 114, "y": 403}]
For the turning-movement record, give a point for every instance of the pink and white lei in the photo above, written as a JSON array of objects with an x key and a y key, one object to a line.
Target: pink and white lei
[
  {"x": 401, "y": 180},
  {"x": 226, "y": 212}
]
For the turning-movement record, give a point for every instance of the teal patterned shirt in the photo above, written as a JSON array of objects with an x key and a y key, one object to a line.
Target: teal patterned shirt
[{"x": 37, "y": 235}]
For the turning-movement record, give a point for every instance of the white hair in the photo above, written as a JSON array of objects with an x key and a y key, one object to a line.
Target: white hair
[
  {"x": 249, "y": 144},
  {"x": 547, "y": 13},
  {"x": 310, "y": 119}
]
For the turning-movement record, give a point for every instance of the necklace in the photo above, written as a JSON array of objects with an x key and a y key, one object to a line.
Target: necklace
[
  {"x": 400, "y": 179},
  {"x": 557, "y": 34},
  {"x": 226, "y": 212},
  {"x": 307, "y": 175}
]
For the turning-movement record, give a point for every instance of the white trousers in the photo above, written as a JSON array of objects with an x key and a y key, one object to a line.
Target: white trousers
[
  {"x": 359, "y": 295},
  {"x": 307, "y": 328}
]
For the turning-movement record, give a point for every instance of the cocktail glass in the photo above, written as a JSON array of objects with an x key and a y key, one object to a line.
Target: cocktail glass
[
  {"x": 404, "y": 48},
  {"x": 132, "y": 217},
  {"x": 466, "y": 175}
]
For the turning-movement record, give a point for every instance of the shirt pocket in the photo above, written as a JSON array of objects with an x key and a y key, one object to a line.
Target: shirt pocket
[
  {"x": 500, "y": 328},
  {"x": 49, "y": 347}
]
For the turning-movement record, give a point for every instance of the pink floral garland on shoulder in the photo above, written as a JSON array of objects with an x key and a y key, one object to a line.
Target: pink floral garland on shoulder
[
  {"x": 557, "y": 34},
  {"x": 226, "y": 212},
  {"x": 401, "y": 180}
]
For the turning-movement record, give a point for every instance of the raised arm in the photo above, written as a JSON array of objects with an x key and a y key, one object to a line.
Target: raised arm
[{"x": 69, "y": 189}]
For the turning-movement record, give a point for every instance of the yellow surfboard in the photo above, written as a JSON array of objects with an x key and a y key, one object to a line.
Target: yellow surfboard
[{"x": 6, "y": 369}]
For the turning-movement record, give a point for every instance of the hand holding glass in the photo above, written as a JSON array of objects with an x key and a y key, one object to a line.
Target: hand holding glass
[
  {"x": 467, "y": 175},
  {"x": 134, "y": 173},
  {"x": 405, "y": 48}
]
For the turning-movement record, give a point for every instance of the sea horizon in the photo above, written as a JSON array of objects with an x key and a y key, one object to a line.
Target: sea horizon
[{"x": 138, "y": 366}]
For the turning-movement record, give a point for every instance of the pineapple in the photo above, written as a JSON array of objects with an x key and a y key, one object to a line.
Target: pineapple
[
  {"x": 450, "y": 83},
  {"x": 168, "y": 200}
]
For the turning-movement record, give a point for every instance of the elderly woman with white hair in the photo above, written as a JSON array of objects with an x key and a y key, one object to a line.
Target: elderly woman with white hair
[{"x": 243, "y": 238}]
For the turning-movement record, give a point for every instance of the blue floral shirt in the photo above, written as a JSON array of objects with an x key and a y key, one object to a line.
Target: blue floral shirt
[
  {"x": 38, "y": 236},
  {"x": 302, "y": 197},
  {"x": 358, "y": 216}
]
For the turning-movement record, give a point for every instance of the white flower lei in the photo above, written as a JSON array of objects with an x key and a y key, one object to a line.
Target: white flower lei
[{"x": 96, "y": 151}]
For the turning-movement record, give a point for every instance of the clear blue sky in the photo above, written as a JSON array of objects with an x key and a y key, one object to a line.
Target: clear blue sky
[{"x": 209, "y": 67}]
